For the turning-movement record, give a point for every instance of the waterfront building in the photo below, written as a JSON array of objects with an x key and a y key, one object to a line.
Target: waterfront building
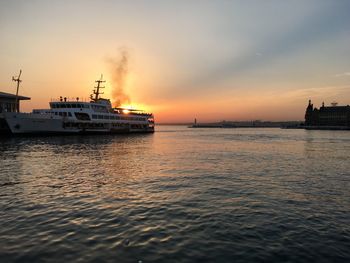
[
  {"x": 327, "y": 116},
  {"x": 8, "y": 103}
]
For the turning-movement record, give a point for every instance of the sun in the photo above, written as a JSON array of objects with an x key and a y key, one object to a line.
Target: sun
[{"x": 135, "y": 106}]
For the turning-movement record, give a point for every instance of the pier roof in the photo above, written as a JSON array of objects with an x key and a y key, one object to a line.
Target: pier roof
[{"x": 12, "y": 96}]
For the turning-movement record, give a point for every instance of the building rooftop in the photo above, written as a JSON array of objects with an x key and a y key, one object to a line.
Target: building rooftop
[
  {"x": 334, "y": 108},
  {"x": 12, "y": 96}
]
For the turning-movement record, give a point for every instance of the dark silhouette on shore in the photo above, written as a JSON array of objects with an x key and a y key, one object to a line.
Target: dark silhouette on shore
[{"x": 327, "y": 117}]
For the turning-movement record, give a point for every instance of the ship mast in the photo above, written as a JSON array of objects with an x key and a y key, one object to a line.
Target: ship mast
[
  {"x": 96, "y": 91},
  {"x": 18, "y": 80}
]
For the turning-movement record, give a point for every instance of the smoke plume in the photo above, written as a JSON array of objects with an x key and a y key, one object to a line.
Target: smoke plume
[{"x": 119, "y": 69}]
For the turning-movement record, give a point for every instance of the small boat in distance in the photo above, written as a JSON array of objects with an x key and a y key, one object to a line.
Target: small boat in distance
[{"x": 77, "y": 117}]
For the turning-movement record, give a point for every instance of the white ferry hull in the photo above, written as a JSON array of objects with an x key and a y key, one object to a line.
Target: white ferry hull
[
  {"x": 28, "y": 123},
  {"x": 24, "y": 123}
]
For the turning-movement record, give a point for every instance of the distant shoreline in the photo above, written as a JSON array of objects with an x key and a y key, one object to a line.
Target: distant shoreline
[
  {"x": 256, "y": 124},
  {"x": 238, "y": 124}
]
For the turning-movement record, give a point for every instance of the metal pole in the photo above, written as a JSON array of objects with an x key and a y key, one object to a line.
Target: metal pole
[{"x": 18, "y": 80}]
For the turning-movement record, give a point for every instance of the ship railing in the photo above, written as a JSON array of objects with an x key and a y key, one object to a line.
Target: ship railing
[{"x": 72, "y": 99}]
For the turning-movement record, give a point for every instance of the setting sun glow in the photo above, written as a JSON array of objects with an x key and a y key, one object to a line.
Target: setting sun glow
[{"x": 136, "y": 107}]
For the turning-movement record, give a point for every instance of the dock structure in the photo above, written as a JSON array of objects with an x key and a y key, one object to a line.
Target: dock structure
[{"x": 8, "y": 103}]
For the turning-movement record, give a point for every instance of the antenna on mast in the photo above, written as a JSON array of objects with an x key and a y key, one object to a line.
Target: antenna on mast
[
  {"x": 18, "y": 80},
  {"x": 96, "y": 91}
]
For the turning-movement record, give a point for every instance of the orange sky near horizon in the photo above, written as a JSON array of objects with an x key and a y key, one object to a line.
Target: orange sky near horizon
[
  {"x": 235, "y": 104},
  {"x": 214, "y": 61}
]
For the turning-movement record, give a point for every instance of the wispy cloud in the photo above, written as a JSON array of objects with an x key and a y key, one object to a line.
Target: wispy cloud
[
  {"x": 344, "y": 74},
  {"x": 320, "y": 93}
]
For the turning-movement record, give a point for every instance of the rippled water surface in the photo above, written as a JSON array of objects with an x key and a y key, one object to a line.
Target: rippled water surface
[{"x": 178, "y": 195}]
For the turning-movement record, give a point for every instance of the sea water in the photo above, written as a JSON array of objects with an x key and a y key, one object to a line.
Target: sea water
[{"x": 178, "y": 195}]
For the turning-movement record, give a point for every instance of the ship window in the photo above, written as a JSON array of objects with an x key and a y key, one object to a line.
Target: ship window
[
  {"x": 82, "y": 116},
  {"x": 94, "y": 116},
  {"x": 74, "y": 105},
  {"x": 68, "y": 106},
  {"x": 106, "y": 117},
  {"x": 60, "y": 113},
  {"x": 100, "y": 116},
  {"x": 69, "y": 114},
  {"x": 65, "y": 114}
]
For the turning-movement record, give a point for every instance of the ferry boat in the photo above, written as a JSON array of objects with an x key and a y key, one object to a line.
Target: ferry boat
[{"x": 78, "y": 117}]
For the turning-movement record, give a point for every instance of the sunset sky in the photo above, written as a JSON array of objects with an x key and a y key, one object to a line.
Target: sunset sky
[{"x": 213, "y": 60}]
